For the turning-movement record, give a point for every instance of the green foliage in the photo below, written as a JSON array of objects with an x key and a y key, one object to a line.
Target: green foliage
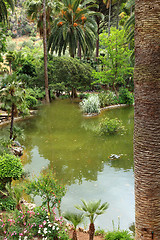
[
  {"x": 47, "y": 187},
  {"x": 7, "y": 204},
  {"x": 125, "y": 96},
  {"x": 10, "y": 168},
  {"x": 92, "y": 209},
  {"x": 107, "y": 98},
  {"x": 27, "y": 224},
  {"x": 90, "y": 105},
  {"x": 13, "y": 93},
  {"x": 115, "y": 62},
  {"x": 67, "y": 72},
  {"x": 110, "y": 126},
  {"x": 100, "y": 232},
  {"x": 118, "y": 235},
  {"x": 73, "y": 26},
  {"x": 31, "y": 101},
  {"x": 74, "y": 218}
]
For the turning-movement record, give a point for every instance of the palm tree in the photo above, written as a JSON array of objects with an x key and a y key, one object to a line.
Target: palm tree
[
  {"x": 35, "y": 12},
  {"x": 75, "y": 219},
  {"x": 92, "y": 210},
  {"x": 4, "y": 9},
  {"x": 74, "y": 27},
  {"x": 147, "y": 120}
]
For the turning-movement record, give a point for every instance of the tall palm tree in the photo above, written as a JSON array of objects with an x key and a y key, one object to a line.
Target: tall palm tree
[
  {"x": 4, "y": 9},
  {"x": 74, "y": 27},
  {"x": 35, "y": 13},
  {"x": 92, "y": 209},
  {"x": 147, "y": 120},
  {"x": 75, "y": 219}
]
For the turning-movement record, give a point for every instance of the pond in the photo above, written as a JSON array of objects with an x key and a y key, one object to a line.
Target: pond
[{"x": 62, "y": 139}]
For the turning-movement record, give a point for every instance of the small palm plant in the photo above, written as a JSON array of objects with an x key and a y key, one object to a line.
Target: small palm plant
[
  {"x": 75, "y": 219},
  {"x": 92, "y": 210}
]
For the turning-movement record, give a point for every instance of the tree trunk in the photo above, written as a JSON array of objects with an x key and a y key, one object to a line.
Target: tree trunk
[
  {"x": 91, "y": 231},
  {"x": 147, "y": 120},
  {"x": 109, "y": 17},
  {"x": 74, "y": 93},
  {"x": 79, "y": 51},
  {"x": 74, "y": 235},
  {"x": 117, "y": 20},
  {"x": 97, "y": 43},
  {"x": 45, "y": 51},
  {"x": 12, "y": 121}
]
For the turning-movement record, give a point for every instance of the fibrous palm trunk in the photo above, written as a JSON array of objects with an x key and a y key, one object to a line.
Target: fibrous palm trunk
[
  {"x": 74, "y": 235},
  {"x": 147, "y": 120},
  {"x": 91, "y": 231}
]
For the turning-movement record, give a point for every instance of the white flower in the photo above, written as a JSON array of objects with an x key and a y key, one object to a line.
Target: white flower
[
  {"x": 50, "y": 225},
  {"x": 25, "y": 238},
  {"x": 39, "y": 231},
  {"x": 57, "y": 228},
  {"x": 53, "y": 227},
  {"x": 45, "y": 230}
]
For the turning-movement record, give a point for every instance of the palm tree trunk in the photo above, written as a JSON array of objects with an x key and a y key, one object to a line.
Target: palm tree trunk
[
  {"x": 97, "y": 43},
  {"x": 147, "y": 120},
  {"x": 75, "y": 235},
  {"x": 91, "y": 231},
  {"x": 45, "y": 51}
]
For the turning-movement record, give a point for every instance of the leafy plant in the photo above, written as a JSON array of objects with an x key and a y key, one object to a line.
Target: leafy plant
[
  {"x": 75, "y": 219},
  {"x": 31, "y": 101},
  {"x": 118, "y": 235},
  {"x": 110, "y": 126},
  {"x": 107, "y": 98},
  {"x": 115, "y": 62},
  {"x": 125, "y": 96},
  {"x": 47, "y": 187},
  {"x": 90, "y": 105},
  {"x": 13, "y": 96},
  {"x": 7, "y": 204},
  {"x": 92, "y": 210},
  {"x": 10, "y": 168}
]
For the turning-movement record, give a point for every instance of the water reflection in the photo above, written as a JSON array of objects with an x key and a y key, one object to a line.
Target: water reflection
[{"x": 62, "y": 139}]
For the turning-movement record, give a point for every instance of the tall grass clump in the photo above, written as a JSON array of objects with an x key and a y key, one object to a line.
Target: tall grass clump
[{"x": 90, "y": 105}]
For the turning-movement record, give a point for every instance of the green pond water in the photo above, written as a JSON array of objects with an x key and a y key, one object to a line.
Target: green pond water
[{"x": 62, "y": 139}]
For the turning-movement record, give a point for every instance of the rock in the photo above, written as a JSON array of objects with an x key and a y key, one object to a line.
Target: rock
[
  {"x": 17, "y": 151},
  {"x": 114, "y": 156}
]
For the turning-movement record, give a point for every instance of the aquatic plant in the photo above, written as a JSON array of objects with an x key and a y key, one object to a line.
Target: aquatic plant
[{"x": 90, "y": 105}]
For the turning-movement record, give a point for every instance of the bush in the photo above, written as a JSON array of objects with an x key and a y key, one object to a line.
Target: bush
[
  {"x": 90, "y": 105},
  {"x": 31, "y": 101},
  {"x": 110, "y": 126},
  {"x": 107, "y": 98},
  {"x": 118, "y": 235},
  {"x": 28, "y": 224},
  {"x": 125, "y": 96},
  {"x": 7, "y": 204},
  {"x": 10, "y": 168}
]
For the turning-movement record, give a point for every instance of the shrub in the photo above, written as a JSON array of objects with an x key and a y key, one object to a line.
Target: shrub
[
  {"x": 7, "y": 204},
  {"x": 110, "y": 126},
  {"x": 90, "y": 105},
  {"x": 31, "y": 101},
  {"x": 107, "y": 98},
  {"x": 125, "y": 96},
  {"x": 10, "y": 168},
  {"x": 48, "y": 188},
  {"x": 28, "y": 224},
  {"x": 118, "y": 235}
]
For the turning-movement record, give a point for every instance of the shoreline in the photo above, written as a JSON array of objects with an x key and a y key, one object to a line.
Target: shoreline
[{"x": 106, "y": 108}]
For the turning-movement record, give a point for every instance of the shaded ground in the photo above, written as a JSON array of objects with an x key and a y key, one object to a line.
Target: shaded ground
[{"x": 85, "y": 236}]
